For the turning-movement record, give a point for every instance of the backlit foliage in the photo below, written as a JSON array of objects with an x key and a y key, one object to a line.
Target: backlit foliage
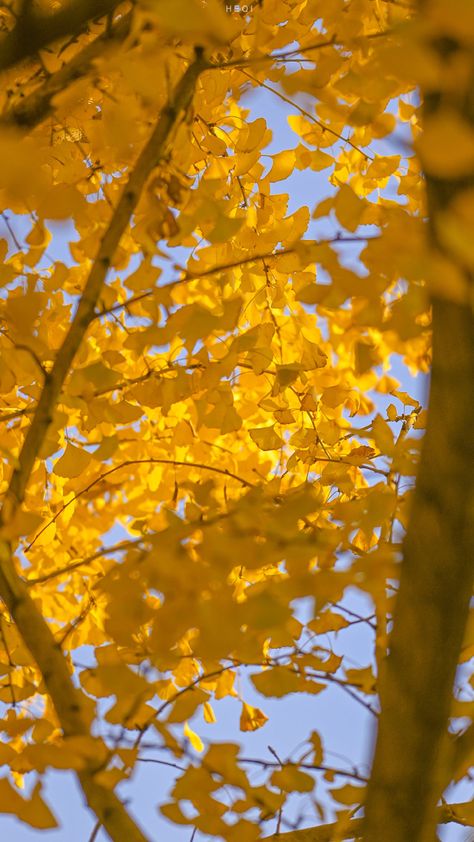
[{"x": 216, "y": 427}]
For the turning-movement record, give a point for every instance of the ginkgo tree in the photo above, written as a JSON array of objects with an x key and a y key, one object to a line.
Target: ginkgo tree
[{"x": 200, "y": 425}]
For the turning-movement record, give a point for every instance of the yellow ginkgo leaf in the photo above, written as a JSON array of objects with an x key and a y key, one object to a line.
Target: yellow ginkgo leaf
[
  {"x": 193, "y": 738},
  {"x": 32, "y": 811},
  {"x": 283, "y": 165},
  {"x": 251, "y": 719},
  {"x": 73, "y": 462},
  {"x": 266, "y": 438},
  {"x": 208, "y": 712},
  {"x": 291, "y": 779},
  {"x": 349, "y": 208}
]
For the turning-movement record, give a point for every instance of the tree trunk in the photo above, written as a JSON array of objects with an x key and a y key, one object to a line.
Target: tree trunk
[{"x": 410, "y": 769}]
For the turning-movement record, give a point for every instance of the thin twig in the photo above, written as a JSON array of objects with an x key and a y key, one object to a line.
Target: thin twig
[
  {"x": 95, "y": 832},
  {"x": 176, "y": 462}
]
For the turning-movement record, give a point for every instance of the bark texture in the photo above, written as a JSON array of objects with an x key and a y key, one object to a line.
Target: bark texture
[{"x": 411, "y": 766}]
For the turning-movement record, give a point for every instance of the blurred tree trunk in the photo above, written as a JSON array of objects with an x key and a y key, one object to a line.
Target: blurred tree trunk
[{"x": 411, "y": 765}]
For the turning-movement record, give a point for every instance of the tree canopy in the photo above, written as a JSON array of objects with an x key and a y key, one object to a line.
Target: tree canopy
[{"x": 201, "y": 424}]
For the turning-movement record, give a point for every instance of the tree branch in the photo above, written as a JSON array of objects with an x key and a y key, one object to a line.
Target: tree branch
[
  {"x": 323, "y": 833},
  {"x": 68, "y": 702},
  {"x": 177, "y": 463},
  {"x": 190, "y": 275},
  {"x": 330, "y": 832},
  {"x": 127, "y": 203},
  {"x": 32, "y": 109},
  {"x": 34, "y": 32},
  {"x": 83, "y": 562}
]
